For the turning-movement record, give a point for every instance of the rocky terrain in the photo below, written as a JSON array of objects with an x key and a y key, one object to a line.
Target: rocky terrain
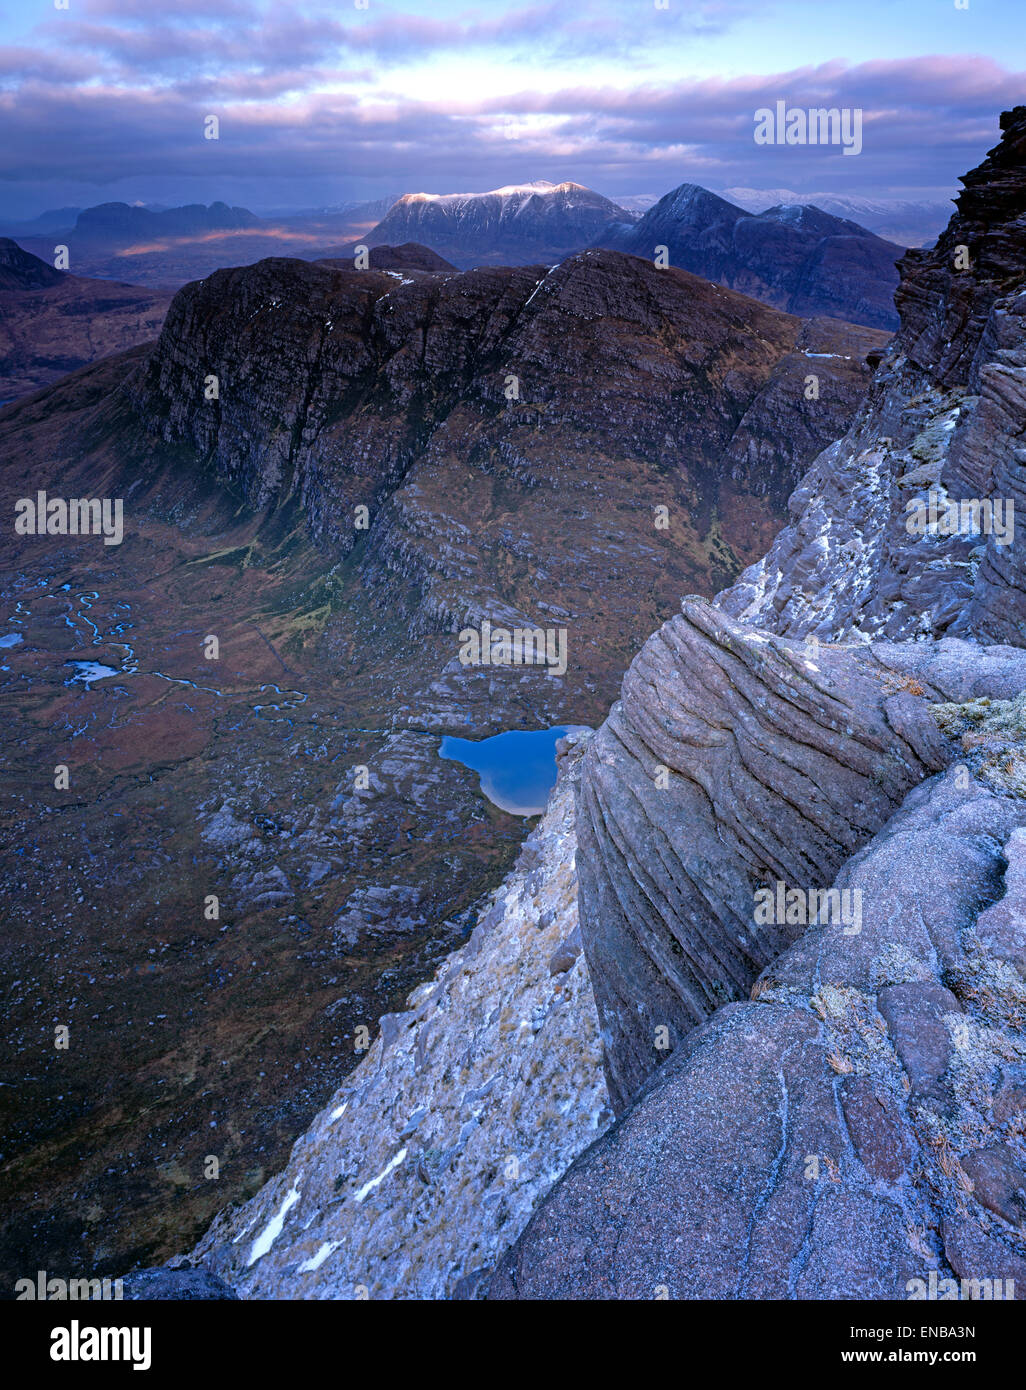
[
  {"x": 439, "y": 1144},
  {"x": 794, "y": 257},
  {"x": 603, "y": 388},
  {"x": 857, "y": 1126},
  {"x": 512, "y": 434},
  {"x": 823, "y": 1100},
  {"x": 52, "y": 322}
]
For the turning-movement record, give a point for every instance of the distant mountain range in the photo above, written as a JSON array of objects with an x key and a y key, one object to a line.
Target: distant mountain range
[
  {"x": 167, "y": 247},
  {"x": 119, "y": 223},
  {"x": 51, "y": 220},
  {"x": 122, "y": 223},
  {"x": 907, "y": 221},
  {"x": 797, "y": 258}
]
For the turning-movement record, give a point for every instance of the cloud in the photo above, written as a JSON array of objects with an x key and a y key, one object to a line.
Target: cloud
[
  {"x": 131, "y": 40},
  {"x": 310, "y": 109}
]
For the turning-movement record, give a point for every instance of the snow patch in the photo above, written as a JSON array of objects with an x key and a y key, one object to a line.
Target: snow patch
[
  {"x": 390, "y": 1166},
  {"x": 273, "y": 1229},
  {"x": 315, "y": 1261}
]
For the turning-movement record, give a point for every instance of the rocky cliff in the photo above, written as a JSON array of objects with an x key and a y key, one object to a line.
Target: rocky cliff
[
  {"x": 431, "y": 1156},
  {"x": 944, "y": 418},
  {"x": 811, "y": 794},
  {"x": 586, "y": 397}
]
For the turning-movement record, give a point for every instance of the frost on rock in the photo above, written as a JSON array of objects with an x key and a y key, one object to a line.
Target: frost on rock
[{"x": 429, "y": 1159}]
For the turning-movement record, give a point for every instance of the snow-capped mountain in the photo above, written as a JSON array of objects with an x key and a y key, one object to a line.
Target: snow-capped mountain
[{"x": 519, "y": 224}]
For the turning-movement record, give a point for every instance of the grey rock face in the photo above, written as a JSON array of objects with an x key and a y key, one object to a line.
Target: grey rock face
[
  {"x": 735, "y": 761},
  {"x": 944, "y": 417},
  {"x": 856, "y": 1129},
  {"x": 166, "y": 1284},
  {"x": 835, "y": 1138},
  {"x": 1002, "y": 927},
  {"x": 914, "y": 1014},
  {"x": 431, "y": 1156}
]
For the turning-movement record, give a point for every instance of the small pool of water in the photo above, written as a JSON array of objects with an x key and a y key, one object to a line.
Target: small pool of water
[
  {"x": 517, "y": 769},
  {"x": 89, "y": 671},
  {"x": 11, "y": 640}
]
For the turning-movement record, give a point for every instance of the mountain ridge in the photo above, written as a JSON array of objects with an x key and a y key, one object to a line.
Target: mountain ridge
[{"x": 797, "y": 258}]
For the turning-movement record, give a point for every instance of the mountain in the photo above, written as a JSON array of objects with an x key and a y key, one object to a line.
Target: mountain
[
  {"x": 797, "y": 258},
  {"x": 905, "y": 221},
  {"x": 52, "y": 322},
  {"x": 804, "y": 1109},
  {"x": 512, "y": 434},
  {"x": 409, "y": 256},
  {"x": 167, "y": 247},
  {"x": 21, "y": 271},
  {"x": 50, "y": 221},
  {"x": 517, "y": 225},
  {"x": 123, "y": 223}
]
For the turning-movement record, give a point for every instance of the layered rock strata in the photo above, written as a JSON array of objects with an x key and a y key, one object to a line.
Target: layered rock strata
[{"x": 843, "y": 729}]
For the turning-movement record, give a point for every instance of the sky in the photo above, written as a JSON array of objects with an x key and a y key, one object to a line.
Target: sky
[{"x": 320, "y": 104}]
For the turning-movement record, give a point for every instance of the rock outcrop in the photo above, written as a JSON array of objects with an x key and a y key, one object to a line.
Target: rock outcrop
[
  {"x": 733, "y": 761},
  {"x": 20, "y": 270},
  {"x": 944, "y": 420},
  {"x": 410, "y": 255},
  {"x": 851, "y": 1131},
  {"x": 436, "y": 401},
  {"x": 179, "y": 1285},
  {"x": 791, "y": 788}
]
